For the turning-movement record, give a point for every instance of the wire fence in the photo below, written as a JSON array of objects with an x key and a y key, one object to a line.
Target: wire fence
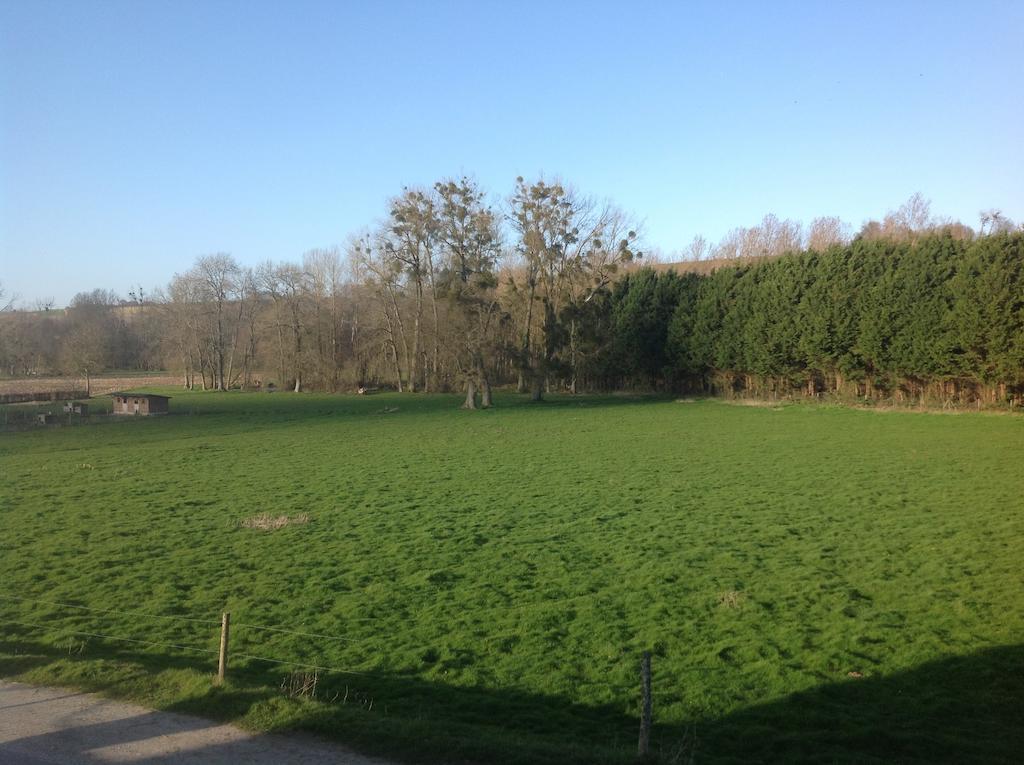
[
  {"x": 62, "y": 628},
  {"x": 120, "y": 612},
  {"x": 302, "y": 677},
  {"x": 57, "y": 624},
  {"x": 65, "y": 630}
]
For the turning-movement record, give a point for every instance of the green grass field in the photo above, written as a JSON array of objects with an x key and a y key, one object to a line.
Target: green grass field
[{"x": 494, "y": 576}]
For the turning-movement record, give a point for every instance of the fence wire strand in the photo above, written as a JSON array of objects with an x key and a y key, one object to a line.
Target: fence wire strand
[
  {"x": 251, "y": 657},
  {"x": 296, "y": 632},
  {"x": 213, "y": 651},
  {"x": 139, "y": 614},
  {"x": 175, "y": 617},
  {"x": 113, "y": 637}
]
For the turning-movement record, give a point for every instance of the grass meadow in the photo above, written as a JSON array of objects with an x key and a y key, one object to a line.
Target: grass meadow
[{"x": 815, "y": 583}]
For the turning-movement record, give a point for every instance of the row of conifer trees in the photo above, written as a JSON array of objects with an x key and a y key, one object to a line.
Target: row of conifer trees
[{"x": 938, "y": 318}]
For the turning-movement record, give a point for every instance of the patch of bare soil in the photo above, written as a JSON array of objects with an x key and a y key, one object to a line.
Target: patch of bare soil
[{"x": 267, "y": 522}]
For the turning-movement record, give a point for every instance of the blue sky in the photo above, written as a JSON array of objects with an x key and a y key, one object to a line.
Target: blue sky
[{"x": 136, "y": 136}]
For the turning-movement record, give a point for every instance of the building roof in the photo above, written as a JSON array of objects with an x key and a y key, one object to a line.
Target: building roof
[{"x": 136, "y": 395}]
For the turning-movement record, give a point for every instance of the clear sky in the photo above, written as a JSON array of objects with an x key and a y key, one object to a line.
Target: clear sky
[{"x": 138, "y": 135}]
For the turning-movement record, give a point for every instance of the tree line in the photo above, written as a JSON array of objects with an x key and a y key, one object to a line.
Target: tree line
[
  {"x": 546, "y": 291},
  {"x": 936, "y": 317}
]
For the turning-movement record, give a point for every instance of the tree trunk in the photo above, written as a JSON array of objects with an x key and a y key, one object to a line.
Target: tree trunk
[
  {"x": 521, "y": 384},
  {"x": 398, "y": 366},
  {"x": 470, "y": 402},
  {"x": 573, "y": 360},
  {"x": 280, "y": 350},
  {"x": 401, "y": 332},
  {"x": 485, "y": 400},
  {"x": 437, "y": 327},
  {"x": 335, "y": 346},
  {"x": 231, "y": 355},
  {"x": 537, "y": 388},
  {"x": 218, "y": 372},
  {"x": 417, "y": 321},
  {"x": 298, "y": 357}
]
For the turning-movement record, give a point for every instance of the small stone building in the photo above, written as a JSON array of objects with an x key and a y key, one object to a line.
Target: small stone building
[{"x": 143, "y": 404}]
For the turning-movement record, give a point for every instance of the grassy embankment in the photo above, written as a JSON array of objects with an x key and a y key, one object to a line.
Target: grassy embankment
[{"x": 815, "y": 582}]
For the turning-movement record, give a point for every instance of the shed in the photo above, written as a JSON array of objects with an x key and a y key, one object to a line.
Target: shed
[{"x": 143, "y": 404}]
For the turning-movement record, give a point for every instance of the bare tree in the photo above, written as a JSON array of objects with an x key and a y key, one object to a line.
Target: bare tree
[
  {"x": 906, "y": 223},
  {"x": 249, "y": 304},
  {"x": 410, "y": 239},
  {"x": 218, "y": 277},
  {"x": 85, "y": 350},
  {"x": 6, "y": 301},
  {"x": 325, "y": 274},
  {"x": 827, "y": 231},
  {"x": 543, "y": 217},
  {"x": 770, "y": 238},
  {"x": 87, "y": 346},
  {"x": 699, "y": 248},
  {"x": 287, "y": 286},
  {"x": 606, "y": 242},
  {"x": 995, "y": 221},
  {"x": 381, "y": 272},
  {"x": 468, "y": 233},
  {"x": 569, "y": 248},
  {"x": 912, "y": 216},
  {"x": 185, "y": 323}
]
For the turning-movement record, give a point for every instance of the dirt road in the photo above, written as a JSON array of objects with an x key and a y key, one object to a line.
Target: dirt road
[{"x": 44, "y": 726}]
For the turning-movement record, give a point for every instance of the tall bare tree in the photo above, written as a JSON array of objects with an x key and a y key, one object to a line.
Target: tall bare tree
[
  {"x": 543, "y": 218},
  {"x": 468, "y": 232},
  {"x": 568, "y": 248},
  {"x": 827, "y": 231},
  {"x": 287, "y": 286},
  {"x": 769, "y": 238},
  {"x": 409, "y": 239},
  {"x": 87, "y": 346},
  {"x": 381, "y": 272},
  {"x": 908, "y": 222},
  {"x": 6, "y": 301},
  {"x": 85, "y": 351},
  {"x": 218, "y": 277},
  {"x": 326, "y": 275},
  {"x": 699, "y": 248}
]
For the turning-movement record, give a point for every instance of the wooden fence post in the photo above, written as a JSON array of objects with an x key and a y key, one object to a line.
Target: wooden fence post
[
  {"x": 222, "y": 663},
  {"x": 644, "y": 747}
]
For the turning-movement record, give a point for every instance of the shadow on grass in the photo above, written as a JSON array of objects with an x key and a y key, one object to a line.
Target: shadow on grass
[{"x": 963, "y": 709}]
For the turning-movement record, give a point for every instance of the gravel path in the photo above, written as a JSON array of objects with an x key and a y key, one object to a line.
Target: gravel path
[{"x": 53, "y": 725}]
